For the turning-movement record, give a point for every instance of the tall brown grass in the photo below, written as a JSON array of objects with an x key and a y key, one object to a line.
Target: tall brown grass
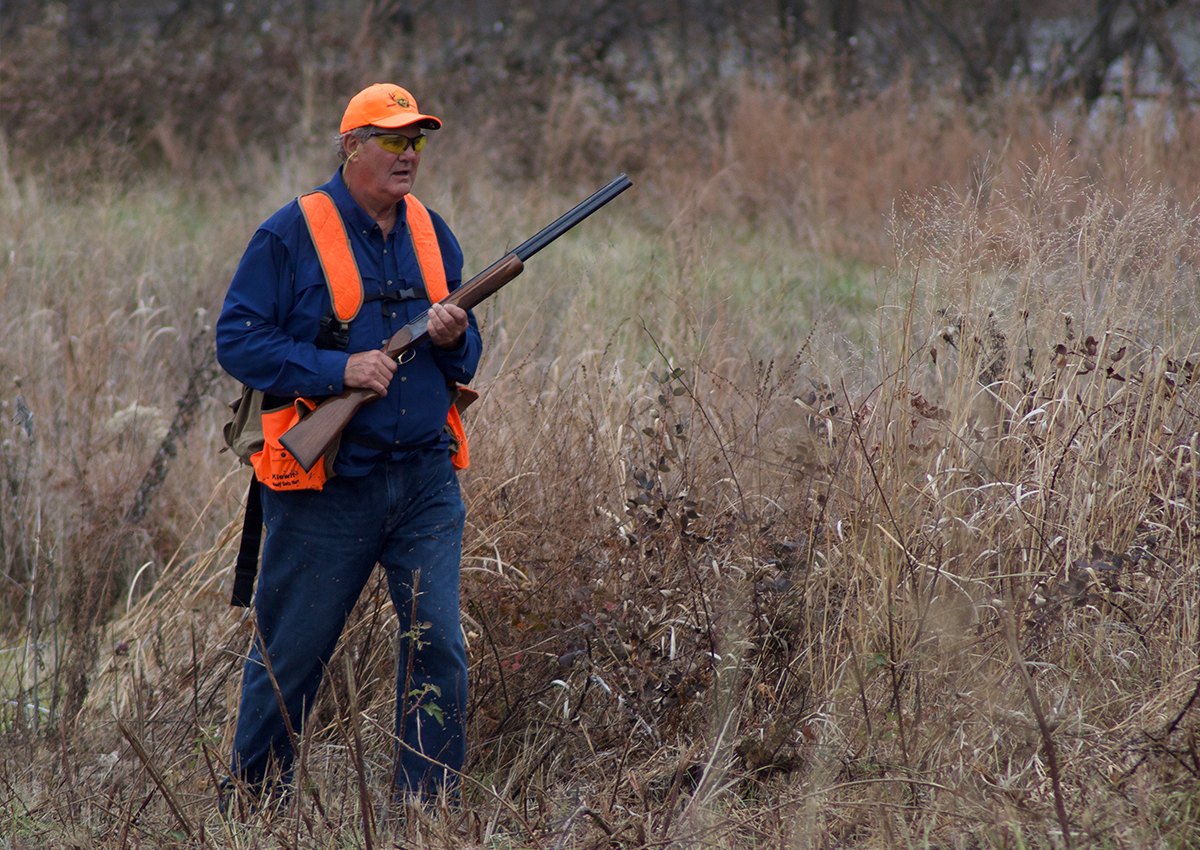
[{"x": 837, "y": 487}]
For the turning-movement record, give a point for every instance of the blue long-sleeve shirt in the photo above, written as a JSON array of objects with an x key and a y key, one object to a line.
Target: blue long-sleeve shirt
[{"x": 273, "y": 310}]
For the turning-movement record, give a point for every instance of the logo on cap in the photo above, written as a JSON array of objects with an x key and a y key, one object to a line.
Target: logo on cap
[{"x": 401, "y": 100}]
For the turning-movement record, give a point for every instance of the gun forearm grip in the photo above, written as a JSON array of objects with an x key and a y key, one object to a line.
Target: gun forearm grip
[{"x": 308, "y": 439}]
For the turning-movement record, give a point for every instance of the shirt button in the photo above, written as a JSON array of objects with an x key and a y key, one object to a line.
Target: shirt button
[
  {"x": 403, "y": 378},
  {"x": 383, "y": 342},
  {"x": 393, "y": 315},
  {"x": 401, "y": 411},
  {"x": 331, "y": 387},
  {"x": 247, "y": 324}
]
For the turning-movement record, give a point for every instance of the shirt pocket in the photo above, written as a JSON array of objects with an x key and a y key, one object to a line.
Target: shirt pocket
[{"x": 310, "y": 297}]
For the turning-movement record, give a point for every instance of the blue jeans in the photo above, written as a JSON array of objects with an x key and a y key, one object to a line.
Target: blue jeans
[{"x": 319, "y": 551}]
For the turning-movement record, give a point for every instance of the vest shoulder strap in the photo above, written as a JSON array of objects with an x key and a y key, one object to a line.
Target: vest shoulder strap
[
  {"x": 429, "y": 258},
  {"x": 328, "y": 233},
  {"x": 425, "y": 244}
]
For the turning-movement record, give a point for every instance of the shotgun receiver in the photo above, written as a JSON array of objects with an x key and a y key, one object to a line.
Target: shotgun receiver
[{"x": 308, "y": 439}]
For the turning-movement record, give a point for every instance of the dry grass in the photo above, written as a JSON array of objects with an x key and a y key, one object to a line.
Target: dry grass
[{"x": 835, "y": 488}]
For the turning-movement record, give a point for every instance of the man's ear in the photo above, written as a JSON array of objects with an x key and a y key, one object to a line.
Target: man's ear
[{"x": 350, "y": 144}]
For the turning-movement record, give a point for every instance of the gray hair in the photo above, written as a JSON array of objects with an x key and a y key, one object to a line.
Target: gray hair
[{"x": 360, "y": 133}]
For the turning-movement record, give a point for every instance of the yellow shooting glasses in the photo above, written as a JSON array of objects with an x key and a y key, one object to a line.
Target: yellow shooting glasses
[{"x": 397, "y": 143}]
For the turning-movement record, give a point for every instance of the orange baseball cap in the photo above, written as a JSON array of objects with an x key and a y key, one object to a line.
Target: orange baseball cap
[{"x": 385, "y": 105}]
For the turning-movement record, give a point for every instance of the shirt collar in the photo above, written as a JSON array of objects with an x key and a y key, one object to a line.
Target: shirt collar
[{"x": 352, "y": 213}]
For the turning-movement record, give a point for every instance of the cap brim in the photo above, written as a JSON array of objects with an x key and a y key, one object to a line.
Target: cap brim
[{"x": 426, "y": 122}]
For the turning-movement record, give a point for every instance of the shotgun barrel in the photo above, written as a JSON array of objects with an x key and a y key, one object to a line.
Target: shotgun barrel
[
  {"x": 310, "y": 438},
  {"x": 571, "y": 218}
]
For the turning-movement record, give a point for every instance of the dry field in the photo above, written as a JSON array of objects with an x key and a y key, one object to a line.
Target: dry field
[{"x": 835, "y": 487}]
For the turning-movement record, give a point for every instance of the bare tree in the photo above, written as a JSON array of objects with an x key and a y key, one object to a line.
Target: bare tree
[
  {"x": 989, "y": 38},
  {"x": 206, "y": 56},
  {"x": 793, "y": 28},
  {"x": 1081, "y": 68}
]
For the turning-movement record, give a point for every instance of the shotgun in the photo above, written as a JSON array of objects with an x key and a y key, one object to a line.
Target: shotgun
[{"x": 309, "y": 438}]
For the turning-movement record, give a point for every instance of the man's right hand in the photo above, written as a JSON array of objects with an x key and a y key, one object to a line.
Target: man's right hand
[{"x": 369, "y": 370}]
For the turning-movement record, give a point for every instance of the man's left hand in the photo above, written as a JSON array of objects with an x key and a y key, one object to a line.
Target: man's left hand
[{"x": 446, "y": 326}]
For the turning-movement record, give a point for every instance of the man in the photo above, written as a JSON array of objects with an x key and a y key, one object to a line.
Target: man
[{"x": 393, "y": 498}]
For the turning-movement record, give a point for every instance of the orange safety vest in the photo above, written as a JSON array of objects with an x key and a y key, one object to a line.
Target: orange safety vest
[{"x": 274, "y": 466}]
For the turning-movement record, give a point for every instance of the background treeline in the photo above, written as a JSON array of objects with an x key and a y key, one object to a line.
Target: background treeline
[{"x": 193, "y": 76}]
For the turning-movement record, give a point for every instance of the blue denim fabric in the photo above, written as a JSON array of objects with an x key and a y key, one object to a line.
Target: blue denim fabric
[{"x": 319, "y": 551}]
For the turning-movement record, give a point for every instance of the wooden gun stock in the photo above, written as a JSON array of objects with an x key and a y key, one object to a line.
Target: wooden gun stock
[{"x": 309, "y": 438}]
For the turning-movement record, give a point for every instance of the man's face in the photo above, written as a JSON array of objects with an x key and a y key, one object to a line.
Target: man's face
[{"x": 385, "y": 176}]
